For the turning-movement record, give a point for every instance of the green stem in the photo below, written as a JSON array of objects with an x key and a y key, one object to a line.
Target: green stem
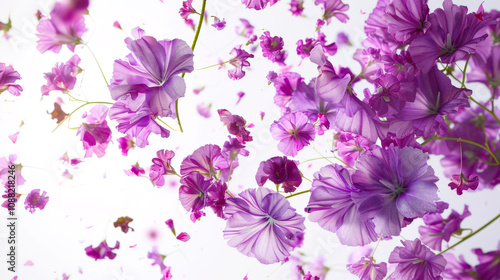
[
  {"x": 70, "y": 114},
  {"x": 305, "y": 177},
  {"x": 463, "y": 140},
  {"x": 157, "y": 118},
  {"x": 465, "y": 70},
  {"x": 470, "y": 234},
  {"x": 200, "y": 23},
  {"x": 302, "y": 192},
  {"x": 98, "y": 65},
  {"x": 486, "y": 109}
]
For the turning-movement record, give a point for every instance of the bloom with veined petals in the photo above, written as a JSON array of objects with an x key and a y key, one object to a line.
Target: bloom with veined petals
[
  {"x": 95, "y": 133},
  {"x": 238, "y": 61},
  {"x": 161, "y": 166},
  {"x": 36, "y": 199},
  {"x": 8, "y": 76},
  {"x": 294, "y": 131},
  {"x": 262, "y": 224},
  {"x": 63, "y": 76},
  {"x": 367, "y": 269},
  {"x": 205, "y": 160}
]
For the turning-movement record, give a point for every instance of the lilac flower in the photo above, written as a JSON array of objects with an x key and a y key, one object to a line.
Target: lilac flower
[
  {"x": 238, "y": 61},
  {"x": 193, "y": 192},
  {"x": 334, "y": 207},
  {"x": 8, "y": 77},
  {"x": 458, "y": 269},
  {"x": 350, "y": 147},
  {"x": 415, "y": 261},
  {"x": 117, "y": 25},
  {"x": 258, "y": 4},
  {"x": 392, "y": 94},
  {"x": 136, "y": 170},
  {"x": 36, "y": 199},
  {"x": 246, "y": 29},
  {"x": 333, "y": 8},
  {"x": 149, "y": 79},
  {"x": 262, "y": 224},
  {"x": 190, "y": 23},
  {"x": 206, "y": 160},
  {"x": 123, "y": 222},
  {"x": 187, "y": 9},
  {"x": 233, "y": 148},
  {"x": 63, "y": 76},
  {"x": 452, "y": 36},
  {"x": 435, "y": 98},
  {"x": 95, "y": 133},
  {"x": 204, "y": 110},
  {"x": 219, "y": 24},
  {"x": 157, "y": 258},
  {"x": 296, "y": 7},
  {"x": 304, "y": 48},
  {"x": 395, "y": 184},
  {"x": 279, "y": 170},
  {"x": 65, "y": 27},
  {"x": 342, "y": 39},
  {"x": 367, "y": 269},
  {"x": 487, "y": 71},
  {"x": 438, "y": 229},
  {"x": 461, "y": 183},
  {"x": 272, "y": 48},
  {"x": 294, "y": 131},
  {"x": 125, "y": 144},
  {"x": 102, "y": 251},
  {"x": 236, "y": 125},
  {"x": 407, "y": 19},
  {"x": 488, "y": 267},
  {"x": 137, "y": 124},
  {"x": 286, "y": 84},
  {"x": 166, "y": 275},
  {"x": 161, "y": 166}
]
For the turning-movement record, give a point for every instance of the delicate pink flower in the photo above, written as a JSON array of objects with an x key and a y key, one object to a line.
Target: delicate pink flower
[
  {"x": 63, "y": 76},
  {"x": 187, "y": 9},
  {"x": 13, "y": 137},
  {"x": 8, "y": 77},
  {"x": 126, "y": 143},
  {"x": 117, "y": 25},
  {"x": 102, "y": 251},
  {"x": 158, "y": 259},
  {"x": 238, "y": 61},
  {"x": 161, "y": 166},
  {"x": 219, "y": 24},
  {"x": 95, "y": 133},
  {"x": 294, "y": 132},
  {"x": 461, "y": 183},
  {"x": 35, "y": 199},
  {"x": 183, "y": 236},
  {"x": 366, "y": 269},
  {"x": 296, "y": 7},
  {"x": 166, "y": 275},
  {"x": 333, "y": 8},
  {"x": 204, "y": 110},
  {"x": 135, "y": 170}
]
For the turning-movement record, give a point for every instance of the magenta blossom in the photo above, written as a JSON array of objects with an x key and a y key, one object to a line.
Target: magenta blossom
[
  {"x": 367, "y": 269},
  {"x": 63, "y": 76},
  {"x": 135, "y": 170},
  {"x": 238, "y": 61},
  {"x": 296, "y": 7},
  {"x": 36, "y": 199},
  {"x": 407, "y": 19},
  {"x": 461, "y": 183},
  {"x": 187, "y": 9},
  {"x": 333, "y": 8},
  {"x": 65, "y": 26},
  {"x": 8, "y": 77},
  {"x": 236, "y": 125},
  {"x": 350, "y": 147},
  {"x": 102, "y": 251},
  {"x": 415, "y": 261},
  {"x": 272, "y": 48},
  {"x": 183, "y": 236},
  {"x": 458, "y": 269},
  {"x": 286, "y": 84},
  {"x": 489, "y": 266},
  {"x": 219, "y": 24},
  {"x": 262, "y": 224},
  {"x": 197, "y": 192},
  {"x": 149, "y": 79},
  {"x": 125, "y": 144},
  {"x": 206, "y": 160},
  {"x": 157, "y": 258},
  {"x": 166, "y": 275},
  {"x": 5, "y": 166},
  {"x": 95, "y": 132},
  {"x": 161, "y": 166},
  {"x": 294, "y": 132},
  {"x": 279, "y": 170},
  {"x": 258, "y": 4}
]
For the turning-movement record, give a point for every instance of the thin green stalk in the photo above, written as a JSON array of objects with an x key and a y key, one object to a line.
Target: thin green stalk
[
  {"x": 200, "y": 23},
  {"x": 462, "y": 140},
  {"x": 70, "y": 114},
  {"x": 98, "y": 65},
  {"x": 470, "y": 235},
  {"x": 486, "y": 109},
  {"x": 463, "y": 72},
  {"x": 302, "y": 192}
]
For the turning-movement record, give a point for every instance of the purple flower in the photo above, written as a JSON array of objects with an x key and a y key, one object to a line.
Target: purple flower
[
  {"x": 166, "y": 275},
  {"x": 342, "y": 39},
  {"x": 350, "y": 147},
  {"x": 65, "y": 27},
  {"x": 458, "y": 269},
  {"x": 461, "y": 183},
  {"x": 135, "y": 170},
  {"x": 452, "y": 36},
  {"x": 95, "y": 133},
  {"x": 149, "y": 79},
  {"x": 125, "y": 144},
  {"x": 407, "y": 19},
  {"x": 102, "y": 251},
  {"x": 187, "y": 9},
  {"x": 296, "y": 7},
  {"x": 204, "y": 110},
  {"x": 392, "y": 93},
  {"x": 415, "y": 261},
  {"x": 193, "y": 192},
  {"x": 286, "y": 84},
  {"x": 161, "y": 166},
  {"x": 487, "y": 71},
  {"x": 333, "y": 8},
  {"x": 436, "y": 97},
  {"x": 258, "y": 4},
  {"x": 238, "y": 61},
  {"x": 279, "y": 170},
  {"x": 157, "y": 258},
  {"x": 304, "y": 48},
  {"x": 137, "y": 124},
  {"x": 489, "y": 266},
  {"x": 272, "y": 48},
  {"x": 8, "y": 77},
  {"x": 394, "y": 184},
  {"x": 367, "y": 269},
  {"x": 236, "y": 125},
  {"x": 35, "y": 199},
  {"x": 219, "y": 24},
  {"x": 233, "y": 148},
  {"x": 206, "y": 160},
  {"x": 246, "y": 29},
  {"x": 262, "y": 224},
  {"x": 5, "y": 170},
  {"x": 63, "y": 76},
  {"x": 294, "y": 131},
  {"x": 334, "y": 207},
  {"x": 438, "y": 229}
]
